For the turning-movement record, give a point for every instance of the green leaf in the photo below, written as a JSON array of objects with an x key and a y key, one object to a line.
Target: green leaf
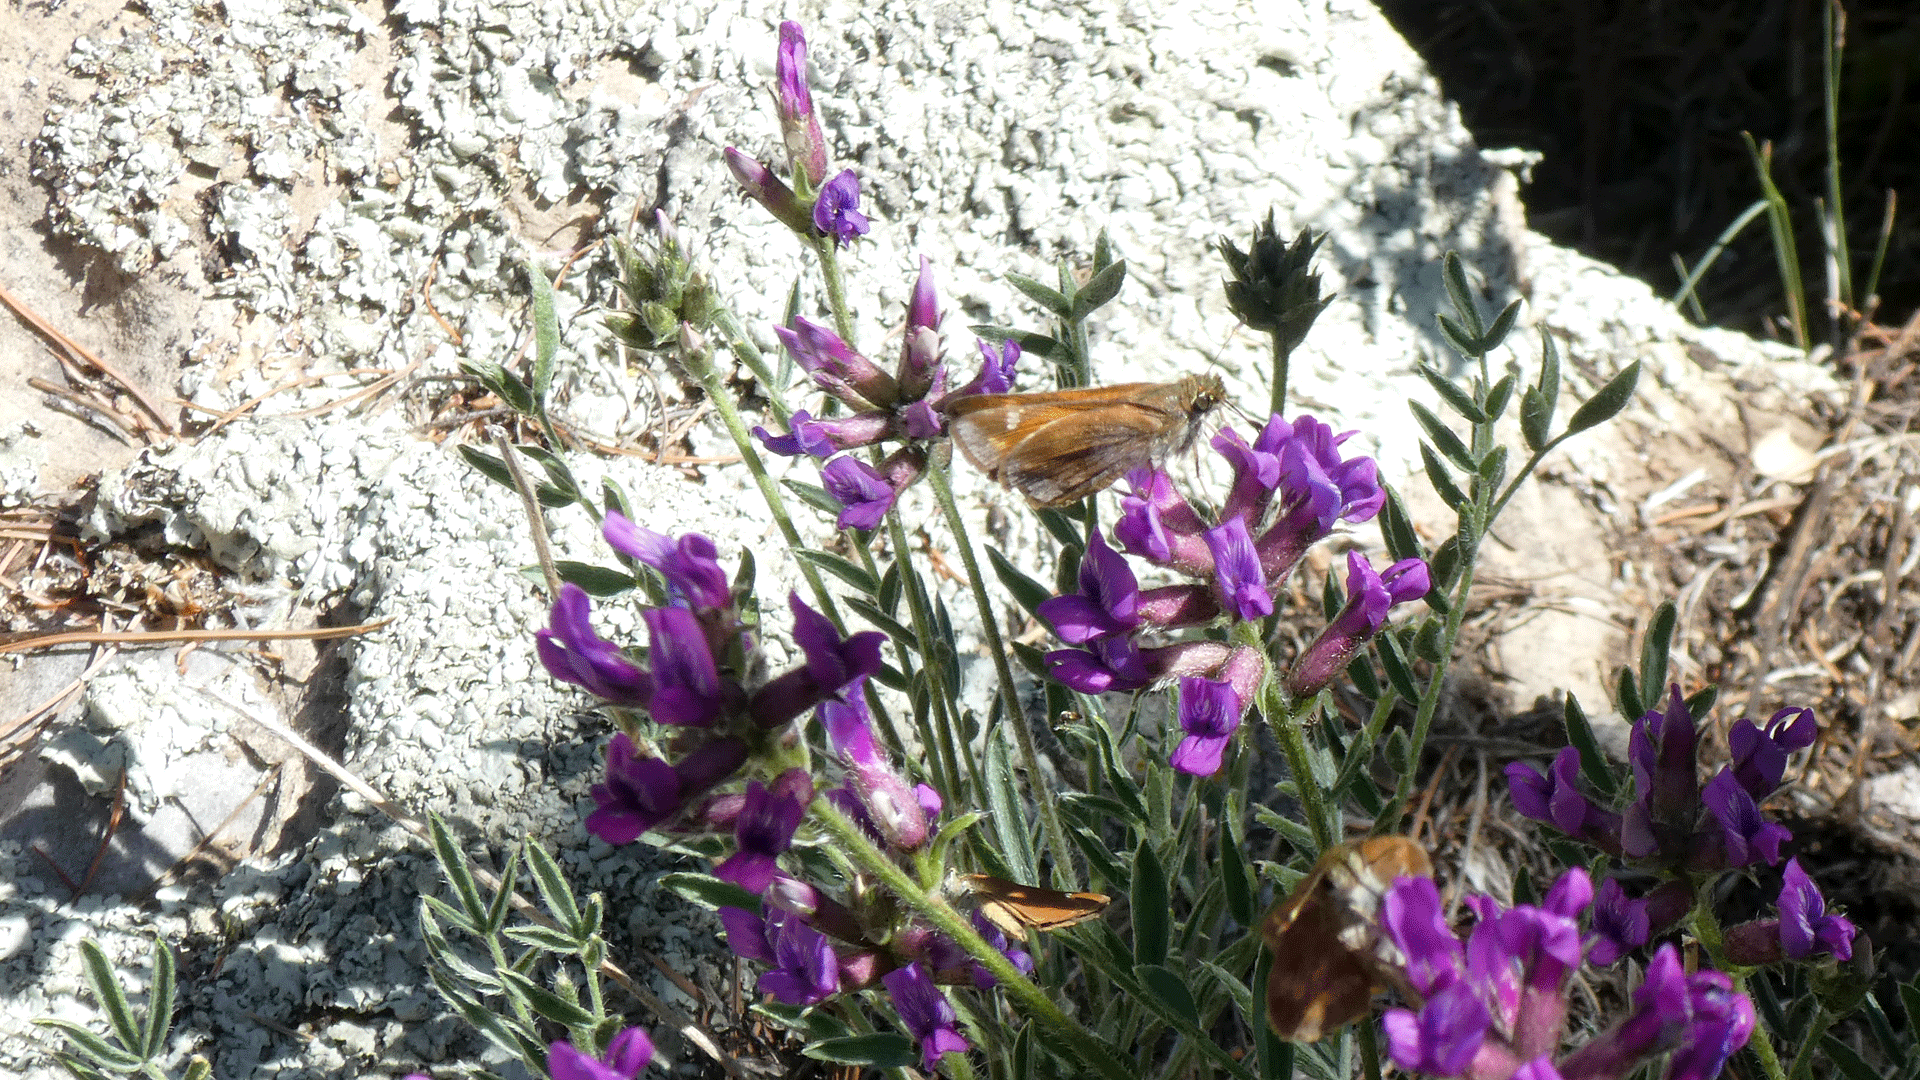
[
  {"x": 199, "y": 1069},
  {"x": 1026, "y": 592},
  {"x": 106, "y": 987},
  {"x": 1627, "y": 697},
  {"x": 854, "y": 575},
  {"x": 489, "y": 466},
  {"x": 1457, "y": 399},
  {"x": 545, "y": 938},
  {"x": 545, "y": 1002},
  {"x": 1493, "y": 467},
  {"x": 1536, "y": 419},
  {"x": 1701, "y": 702},
  {"x": 710, "y": 892},
  {"x": 891, "y": 627},
  {"x": 153, "y": 1030},
  {"x": 1099, "y": 855},
  {"x": 1098, "y": 291},
  {"x": 1849, "y": 1063},
  {"x": 594, "y": 580},
  {"x": 554, "y": 498},
  {"x": 1061, "y": 528},
  {"x": 1443, "y": 437},
  {"x": 1009, "y": 819},
  {"x": 1458, "y": 337},
  {"x": 813, "y": 495},
  {"x": 1502, "y": 324},
  {"x": 1051, "y": 299},
  {"x": 1655, "y": 647},
  {"x": 1501, "y": 394},
  {"x": 1236, "y": 876},
  {"x": 1438, "y": 479},
  {"x": 1396, "y": 528},
  {"x": 1152, "y": 906},
  {"x": 504, "y": 384},
  {"x": 502, "y": 895},
  {"x": 453, "y": 863},
  {"x": 555, "y": 892},
  {"x": 93, "y": 1045},
  {"x": 1606, "y": 404},
  {"x": 1458, "y": 292},
  {"x": 879, "y": 1050},
  {"x": 614, "y": 499},
  {"x": 546, "y": 333},
  {"x": 1593, "y": 763},
  {"x": 1168, "y": 990},
  {"x": 1236, "y": 988}
]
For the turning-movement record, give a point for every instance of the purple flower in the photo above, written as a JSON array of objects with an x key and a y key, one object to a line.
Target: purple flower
[
  {"x": 859, "y": 488},
  {"x": 925, "y": 1011},
  {"x": 1022, "y": 962},
  {"x": 1243, "y": 588},
  {"x": 1760, "y": 756},
  {"x": 1413, "y": 920},
  {"x": 1661, "y": 749},
  {"x": 629, "y": 1053},
  {"x": 691, "y": 565},
  {"x": 687, "y": 689},
  {"x": 572, "y": 652},
  {"x": 1443, "y": 1037},
  {"x": 1557, "y": 800},
  {"x": 805, "y": 436},
  {"x": 893, "y": 809},
  {"x": 1720, "y": 1023},
  {"x": 765, "y": 829},
  {"x": 1209, "y": 714},
  {"x": 1157, "y": 524},
  {"x": 996, "y": 370},
  {"x": 1107, "y": 664},
  {"x": 1806, "y": 929},
  {"x": 805, "y": 969},
  {"x": 1370, "y": 596},
  {"x": 835, "y": 367},
  {"x": 1620, "y": 924},
  {"x": 920, "y": 369},
  {"x": 638, "y": 794},
  {"x": 831, "y": 663},
  {"x": 799, "y": 124},
  {"x": 837, "y": 212},
  {"x": 1745, "y": 837},
  {"x": 1300, "y": 464},
  {"x": 1107, "y": 604},
  {"x": 759, "y": 184}
]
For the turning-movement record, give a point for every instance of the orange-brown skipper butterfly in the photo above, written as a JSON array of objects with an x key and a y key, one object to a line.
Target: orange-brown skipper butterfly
[
  {"x": 1060, "y": 447},
  {"x": 1328, "y": 952},
  {"x": 1016, "y": 908}
]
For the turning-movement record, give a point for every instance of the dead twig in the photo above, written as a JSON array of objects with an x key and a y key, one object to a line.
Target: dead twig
[{"x": 74, "y": 348}]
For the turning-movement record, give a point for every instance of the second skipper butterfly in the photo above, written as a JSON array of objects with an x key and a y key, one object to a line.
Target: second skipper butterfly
[
  {"x": 1060, "y": 447},
  {"x": 1328, "y": 953},
  {"x": 1016, "y": 908}
]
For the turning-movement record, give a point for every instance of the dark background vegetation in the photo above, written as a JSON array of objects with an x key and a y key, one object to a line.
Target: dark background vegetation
[{"x": 1639, "y": 106}]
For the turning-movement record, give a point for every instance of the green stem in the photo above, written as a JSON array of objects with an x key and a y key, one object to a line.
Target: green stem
[
  {"x": 702, "y": 367},
  {"x": 1009, "y": 690},
  {"x": 855, "y": 845},
  {"x": 1369, "y": 1050},
  {"x": 1803, "y": 1059},
  {"x": 1705, "y": 925},
  {"x": 836, "y": 289},
  {"x": 940, "y": 743},
  {"x": 749, "y": 354},
  {"x": 1281, "y": 359},
  {"x": 1285, "y": 721}
]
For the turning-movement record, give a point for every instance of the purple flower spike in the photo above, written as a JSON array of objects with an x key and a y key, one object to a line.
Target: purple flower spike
[
  {"x": 892, "y": 807},
  {"x": 860, "y": 489},
  {"x": 1620, "y": 924},
  {"x": 835, "y": 367},
  {"x": 630, "y": 1052},
  {"x": 920, "y": 367},
  {"x": 1209, "y": 714},
  {"x": 1744, "y": 836},
  {"x": 765, "y": 829},
  {"x": 1237, "y": 574},
  {"x": 1107, "y": 604},
  {"x": 926, "y": 1012},
  {"x": 1806, "y": 929},
  {"x": 691, "y": 565},
  {"x": 837, "y": 212},
  {"x": 572, "y": 652},
  {"x": 1316, "y": 488},
  {"x": 1557, "y": 800},
  {"x": 1760, "y": 756},
  {"x": 799, "y": 124},
  {"x": 760, "y": 185},
  {"x": 1370, "y": 596},
  {"x": 805, "y": 969},
  {"x": 1444, "y": 1036},
  {"x": 638, "y": 794}
]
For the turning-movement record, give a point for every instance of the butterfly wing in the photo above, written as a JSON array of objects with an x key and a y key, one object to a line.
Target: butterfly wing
[
  {"x": 1060, "y": 448},
  {"x": 1316, "y": 984}
]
